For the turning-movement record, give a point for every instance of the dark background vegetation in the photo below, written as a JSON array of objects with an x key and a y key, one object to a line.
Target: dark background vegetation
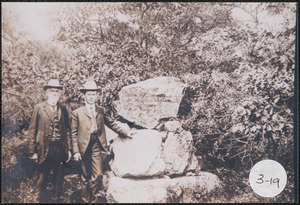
[{"x": 239, "y": 105}]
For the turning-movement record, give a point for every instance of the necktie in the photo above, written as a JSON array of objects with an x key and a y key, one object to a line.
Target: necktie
[
  {"x": 94, "y": 123},
  {"x": 52, "y": 108}
]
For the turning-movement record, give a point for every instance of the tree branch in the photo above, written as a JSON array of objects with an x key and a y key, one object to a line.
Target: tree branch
[
  {"x": 86, "y": 26},
  {"x": 147, "y": 7},
  {"x": 12, "y": 93},
  {"x": 189, "y": 40},
  {"x": 11, "y": 40},
  {"x": 212, "y": 134},
  {"x": 18, "y": 95},
  {"x": 255, "y": 19}
]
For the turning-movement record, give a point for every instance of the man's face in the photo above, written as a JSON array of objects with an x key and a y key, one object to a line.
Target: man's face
[
  {"x": 53, "y": 95},
  {"x": 91, "y": 97}
]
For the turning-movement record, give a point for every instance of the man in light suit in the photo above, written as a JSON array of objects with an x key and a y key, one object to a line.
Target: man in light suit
[
  {"x": 89, "y": 140},
  {"x": 50, "y": 140}
]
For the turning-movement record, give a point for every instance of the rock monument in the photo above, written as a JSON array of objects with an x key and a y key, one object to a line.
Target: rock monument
[
  {"x": 158, "y": 164},
  {"x": 146, "y": 102}
]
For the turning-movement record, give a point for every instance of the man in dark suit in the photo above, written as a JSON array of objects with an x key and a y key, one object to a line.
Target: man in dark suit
[
  {"x": 50, "y": 140},
  {"x": 89, "y": 140}
]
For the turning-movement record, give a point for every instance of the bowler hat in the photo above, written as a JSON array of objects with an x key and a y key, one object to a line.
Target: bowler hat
[
  {"x": 89, "y": 85},
  {"x": 53, "y": 83}
]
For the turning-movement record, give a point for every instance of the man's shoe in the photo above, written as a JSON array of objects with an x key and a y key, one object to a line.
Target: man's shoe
[
  {"x": 44, "y": 199},
  {"x": 100, "y": 198}
]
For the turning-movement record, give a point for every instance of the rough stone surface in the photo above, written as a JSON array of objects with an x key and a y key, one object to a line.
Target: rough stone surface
[
  {"x": 139, "y": 156},
  {"x": 193, "y": 164},
  {"x": 177, "y": 152},
  {"x": 192, "y": 188},
  {"x": 162, "y": 190},
  {"x": 137, "y": 191},
  {"x": 146, "y": 102},
  {"x": 110, "y": 134},
  {"x": 173, "y": 126}
]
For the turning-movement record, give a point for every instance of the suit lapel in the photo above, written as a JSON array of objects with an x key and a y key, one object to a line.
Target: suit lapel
[
  {"x": 47, "y": 110},
  {"x": 97, "y": 110},
  {"x": 85, "y": 111},
  {"x": 98, "y": 118},
  {"x": 59, "y": 111}
]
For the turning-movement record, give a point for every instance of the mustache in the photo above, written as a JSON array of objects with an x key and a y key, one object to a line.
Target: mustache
[{"x": 53, "y": 99}]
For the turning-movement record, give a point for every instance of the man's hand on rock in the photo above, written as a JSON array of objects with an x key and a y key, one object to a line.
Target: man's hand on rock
[
  {"x": 125, "y": 128},
  {"x": 110, "y": 148}
]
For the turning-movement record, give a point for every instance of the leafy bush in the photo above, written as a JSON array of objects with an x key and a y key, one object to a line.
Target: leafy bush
[{"x": 26, "y": 192}]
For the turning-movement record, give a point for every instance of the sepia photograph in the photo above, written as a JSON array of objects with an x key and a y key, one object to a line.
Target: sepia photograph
[{"x": 149, "y": 102}]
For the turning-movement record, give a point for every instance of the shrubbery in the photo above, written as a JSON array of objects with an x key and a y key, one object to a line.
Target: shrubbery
[{"x": 240, "y": 102}]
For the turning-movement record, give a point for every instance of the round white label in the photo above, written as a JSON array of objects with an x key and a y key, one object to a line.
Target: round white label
[{"x": 267, "y": 178}]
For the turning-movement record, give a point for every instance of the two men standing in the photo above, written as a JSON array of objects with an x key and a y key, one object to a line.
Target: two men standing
[{"x": 51, "y": 144}]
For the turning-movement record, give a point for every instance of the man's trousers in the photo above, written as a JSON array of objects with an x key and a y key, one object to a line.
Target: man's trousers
[
  {"x": 53, "y": 162},
  {"x": 92, "y": 175}
]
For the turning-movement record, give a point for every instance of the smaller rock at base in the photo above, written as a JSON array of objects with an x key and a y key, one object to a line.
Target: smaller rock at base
[
  {"x": 161, "y": 190},
  {"x": 137, "y": 191},
  {"x": 194, "y": 187}
]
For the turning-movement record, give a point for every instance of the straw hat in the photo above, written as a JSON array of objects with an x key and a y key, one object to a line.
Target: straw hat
[
  {"x": 89, "y": 85},
  {"x": 53, "y": 83}
]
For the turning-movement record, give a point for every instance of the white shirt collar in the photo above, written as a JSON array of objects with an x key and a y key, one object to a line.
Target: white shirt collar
[
  {"x": 89, "y": 107},
  {"x": 52, "y": 108}
]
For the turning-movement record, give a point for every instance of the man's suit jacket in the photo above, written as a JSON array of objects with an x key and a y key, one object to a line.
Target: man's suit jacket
[
  {"x": 81, "y": 126},
  {"x": 40, "y": 130}
]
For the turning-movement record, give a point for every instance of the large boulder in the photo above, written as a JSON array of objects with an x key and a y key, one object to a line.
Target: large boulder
[
  {"x": 177, "y": 152},
  {"x": 146, "y": 102},
  {"x": 138, "y": 156},
  {"x": 182, "y": 189},
  {"x": 153, "y": 153}
]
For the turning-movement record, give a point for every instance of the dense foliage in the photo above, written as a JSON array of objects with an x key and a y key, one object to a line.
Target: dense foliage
[{"x": 240, "y": 102}]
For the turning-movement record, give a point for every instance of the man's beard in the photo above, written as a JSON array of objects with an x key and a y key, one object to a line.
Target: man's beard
[{"x": 52, "y": 101}]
